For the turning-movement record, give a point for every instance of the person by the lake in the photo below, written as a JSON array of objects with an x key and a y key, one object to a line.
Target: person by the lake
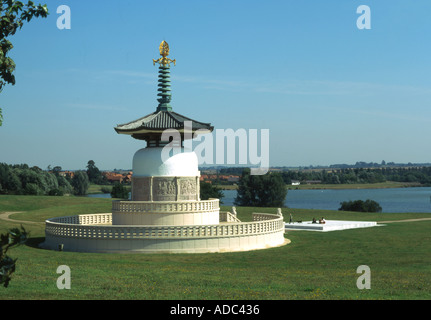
[
  {"x": 290, "y": 218},
  {"x": 314, "y": 220},
  {"x": 322, "y": 221}
]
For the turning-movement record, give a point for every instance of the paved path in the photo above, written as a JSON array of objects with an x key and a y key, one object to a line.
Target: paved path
[
  {"x": 406, "y": 220},
  {"x": 5, "y": 216}
]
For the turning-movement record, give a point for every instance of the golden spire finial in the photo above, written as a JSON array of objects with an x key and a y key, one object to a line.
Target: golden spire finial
[{"x": 164, "y": 52}]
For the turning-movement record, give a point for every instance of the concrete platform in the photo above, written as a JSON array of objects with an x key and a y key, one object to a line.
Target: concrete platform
[{"x": 330, "y": 225}]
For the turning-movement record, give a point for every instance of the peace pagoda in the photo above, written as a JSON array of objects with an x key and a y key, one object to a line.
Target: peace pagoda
[{"x": 165, "y": 213}]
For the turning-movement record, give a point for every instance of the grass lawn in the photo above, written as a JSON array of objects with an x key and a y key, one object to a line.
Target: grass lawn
[
  {"x": 96, "y": 188},
  {"x": 313, "y": 266}
]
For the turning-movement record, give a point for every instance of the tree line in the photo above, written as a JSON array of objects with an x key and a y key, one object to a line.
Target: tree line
[
  {"x": 21, "y": 179},
  {"x": 420, "y": 175},
  {"x": 361, "y": 173}
]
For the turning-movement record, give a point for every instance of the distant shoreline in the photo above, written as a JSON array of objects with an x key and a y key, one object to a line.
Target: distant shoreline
[
  {"x": 96, "y": 189},
  {"x": 380, "y": 185}
]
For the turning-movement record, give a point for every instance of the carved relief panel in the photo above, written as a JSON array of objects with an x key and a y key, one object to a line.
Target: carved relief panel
[
  {"x": 141, "y": 189},
  {"x": 164, "y": 189},
  {"x": 188, "y": 189}
]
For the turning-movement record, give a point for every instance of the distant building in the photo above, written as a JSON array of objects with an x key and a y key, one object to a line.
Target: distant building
[
  {"x": 213, "y": 177},
  {"x": 233, "y": 179},
  {"x": 295, "y": 183},
  {"x": 113, "y": 177},
  {"x": 66, "y": 174}
]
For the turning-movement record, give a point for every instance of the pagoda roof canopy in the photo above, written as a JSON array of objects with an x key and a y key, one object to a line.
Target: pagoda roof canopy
[{"x": 159, "y": 121}]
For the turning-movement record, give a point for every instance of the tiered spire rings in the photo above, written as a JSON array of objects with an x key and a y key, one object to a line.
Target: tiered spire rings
[{"x": 164, "y": 78}]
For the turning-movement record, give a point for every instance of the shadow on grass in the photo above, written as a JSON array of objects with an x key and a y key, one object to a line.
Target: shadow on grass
[{"x": 35, "y": 242}]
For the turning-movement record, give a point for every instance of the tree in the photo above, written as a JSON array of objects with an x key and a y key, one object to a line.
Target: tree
[
  {"x": 119, "y": 191},
  {"x": 13, "y": 14},
  {"x": 14, "y": 237},
  {"x": 207, "y": 190},
  {"x": 267, "y": 190},
  {"x": 92, "y": 171},
  {"x": 56, "y": 171},
  {"x": 94, "y": 174},
  {"x": 64, "y": 185},
  {"x": 80, "y": 183},
  {"x": 13, "y": 183},
  {"x": 33, "y": 189}
]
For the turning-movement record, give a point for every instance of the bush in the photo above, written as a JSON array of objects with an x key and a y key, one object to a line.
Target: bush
[
  {"x": 119, "y": 191},
  {"x": 14, "y": 237},
  {"x": 207, "y": 190},
  {"x": 106, "y": 189},
  {"x": 55, "y": 192},
  {"x": 360, "y": 206},
  {"x": 32, "y": 189}
]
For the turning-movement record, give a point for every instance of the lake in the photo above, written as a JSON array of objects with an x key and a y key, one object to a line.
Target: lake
[{"x": 391, "y": 199}]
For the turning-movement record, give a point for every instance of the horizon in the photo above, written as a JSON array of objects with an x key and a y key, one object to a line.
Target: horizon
[
  {"x": 331, "y": 166},
  {"x": 328, "y": 91}
]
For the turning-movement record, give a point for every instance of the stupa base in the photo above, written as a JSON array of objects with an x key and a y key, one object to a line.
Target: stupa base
[{"x": 94, "y": 233}]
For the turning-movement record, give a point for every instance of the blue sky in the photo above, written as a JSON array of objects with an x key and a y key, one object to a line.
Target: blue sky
[{"x": 327, "y": 91}]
